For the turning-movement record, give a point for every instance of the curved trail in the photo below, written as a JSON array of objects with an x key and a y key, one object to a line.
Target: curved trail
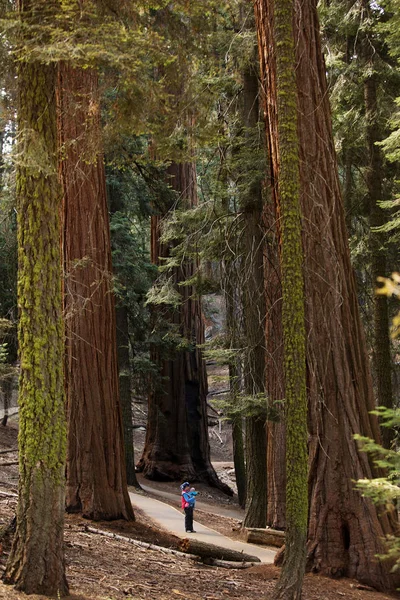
[
  {"x": 224, "y": 511},
  {"x": 171, "y": 519}
]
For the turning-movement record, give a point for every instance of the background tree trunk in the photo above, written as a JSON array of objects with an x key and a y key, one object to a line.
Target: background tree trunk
[
  {"x": 231, "y": 262},
  {"x": 123, "y": 357},
  {"x": 251, "y": 204},
  {"x": 275, "y": 386},
  {"x": 36, "y": 562},
  {"x": 96, "y": 478},
  {"x": 238, "y": 458},
  {"x": 382, "y": 360},
  {"x": 176, "y": 445},
  {"x": 345, "y": 530},
  {"x": 6, "y": 385},
  {"x": 230, "y": 289},
  {"x": 124, "y": 375}
]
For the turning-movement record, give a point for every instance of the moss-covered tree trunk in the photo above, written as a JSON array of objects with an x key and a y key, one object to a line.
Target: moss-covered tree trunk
[
  {"x": 251, "y": 205},
  {"x": 177, "y": 445},
  {"x": 287, "y": 179},
  {"x": 345, "y": 529},
  {"x": 96, "y": 477},
  {"x": 36, "y": 562}
]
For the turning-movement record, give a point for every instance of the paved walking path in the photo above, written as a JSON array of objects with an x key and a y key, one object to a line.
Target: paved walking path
[{"x": 173, "y": 520}]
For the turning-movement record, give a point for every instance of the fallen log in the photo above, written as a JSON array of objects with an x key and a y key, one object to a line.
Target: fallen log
[
  {"x": 266, "y": 537},
  {"x": 207, "y": 560},
  {"x": 207, "y": 551},
  {"x": 228, "y": 564},
  {"x": 145, "y": 545}
]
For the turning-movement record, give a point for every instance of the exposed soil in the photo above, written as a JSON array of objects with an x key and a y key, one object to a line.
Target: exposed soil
[{"x": 103, "y": 568}]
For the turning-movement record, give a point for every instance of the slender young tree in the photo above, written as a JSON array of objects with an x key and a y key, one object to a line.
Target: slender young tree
[
  {"x": 251, "y": 205},
  {"x": 36, "y": 562},
  {"x": 345, "y": 530},
  {"x": 233, "y": 327},
  {"x": 96, "y": 476},
  {"x": 230, "y": 267}
]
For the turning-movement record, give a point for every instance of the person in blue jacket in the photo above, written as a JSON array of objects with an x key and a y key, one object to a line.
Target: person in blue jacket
[{"x": 188, "y": 502}]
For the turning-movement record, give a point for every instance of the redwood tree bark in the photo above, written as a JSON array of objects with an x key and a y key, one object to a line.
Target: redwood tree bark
[
  {"x": 345, "y": 529},
  {"x": 275, "y": 385},
  {"x": 96, "y": 479},
  {"x": 177, "y": 445}
]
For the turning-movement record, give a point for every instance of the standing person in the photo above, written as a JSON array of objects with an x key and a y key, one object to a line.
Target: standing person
[{"x": 188, "y": 501}]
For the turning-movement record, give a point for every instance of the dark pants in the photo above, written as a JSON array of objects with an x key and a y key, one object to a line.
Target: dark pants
[{"x": 189, "y": 518}]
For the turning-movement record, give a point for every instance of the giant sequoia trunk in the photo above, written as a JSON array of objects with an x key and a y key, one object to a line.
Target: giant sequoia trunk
[
  {"x": 177, "y": 444},
  {"x": 96, "y": 479},
  {"x": 345, "y": 529},
  {"x": 36, "y": 562}
]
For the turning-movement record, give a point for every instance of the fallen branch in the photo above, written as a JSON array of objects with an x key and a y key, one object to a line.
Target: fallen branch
[
  {"x": 217, "y": 412},
  {"x": 227, "y": 564},
  {"x": 8, "y": 483},
  {"x": 8, "y": 451},
  {"x": 8, "y": 494},
  {"x": 9, "y": 464},
  {"x": 217, "y": 435}
]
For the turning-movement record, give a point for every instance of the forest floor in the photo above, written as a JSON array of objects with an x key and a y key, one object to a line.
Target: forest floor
[{"x": 102, "y": 568}]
